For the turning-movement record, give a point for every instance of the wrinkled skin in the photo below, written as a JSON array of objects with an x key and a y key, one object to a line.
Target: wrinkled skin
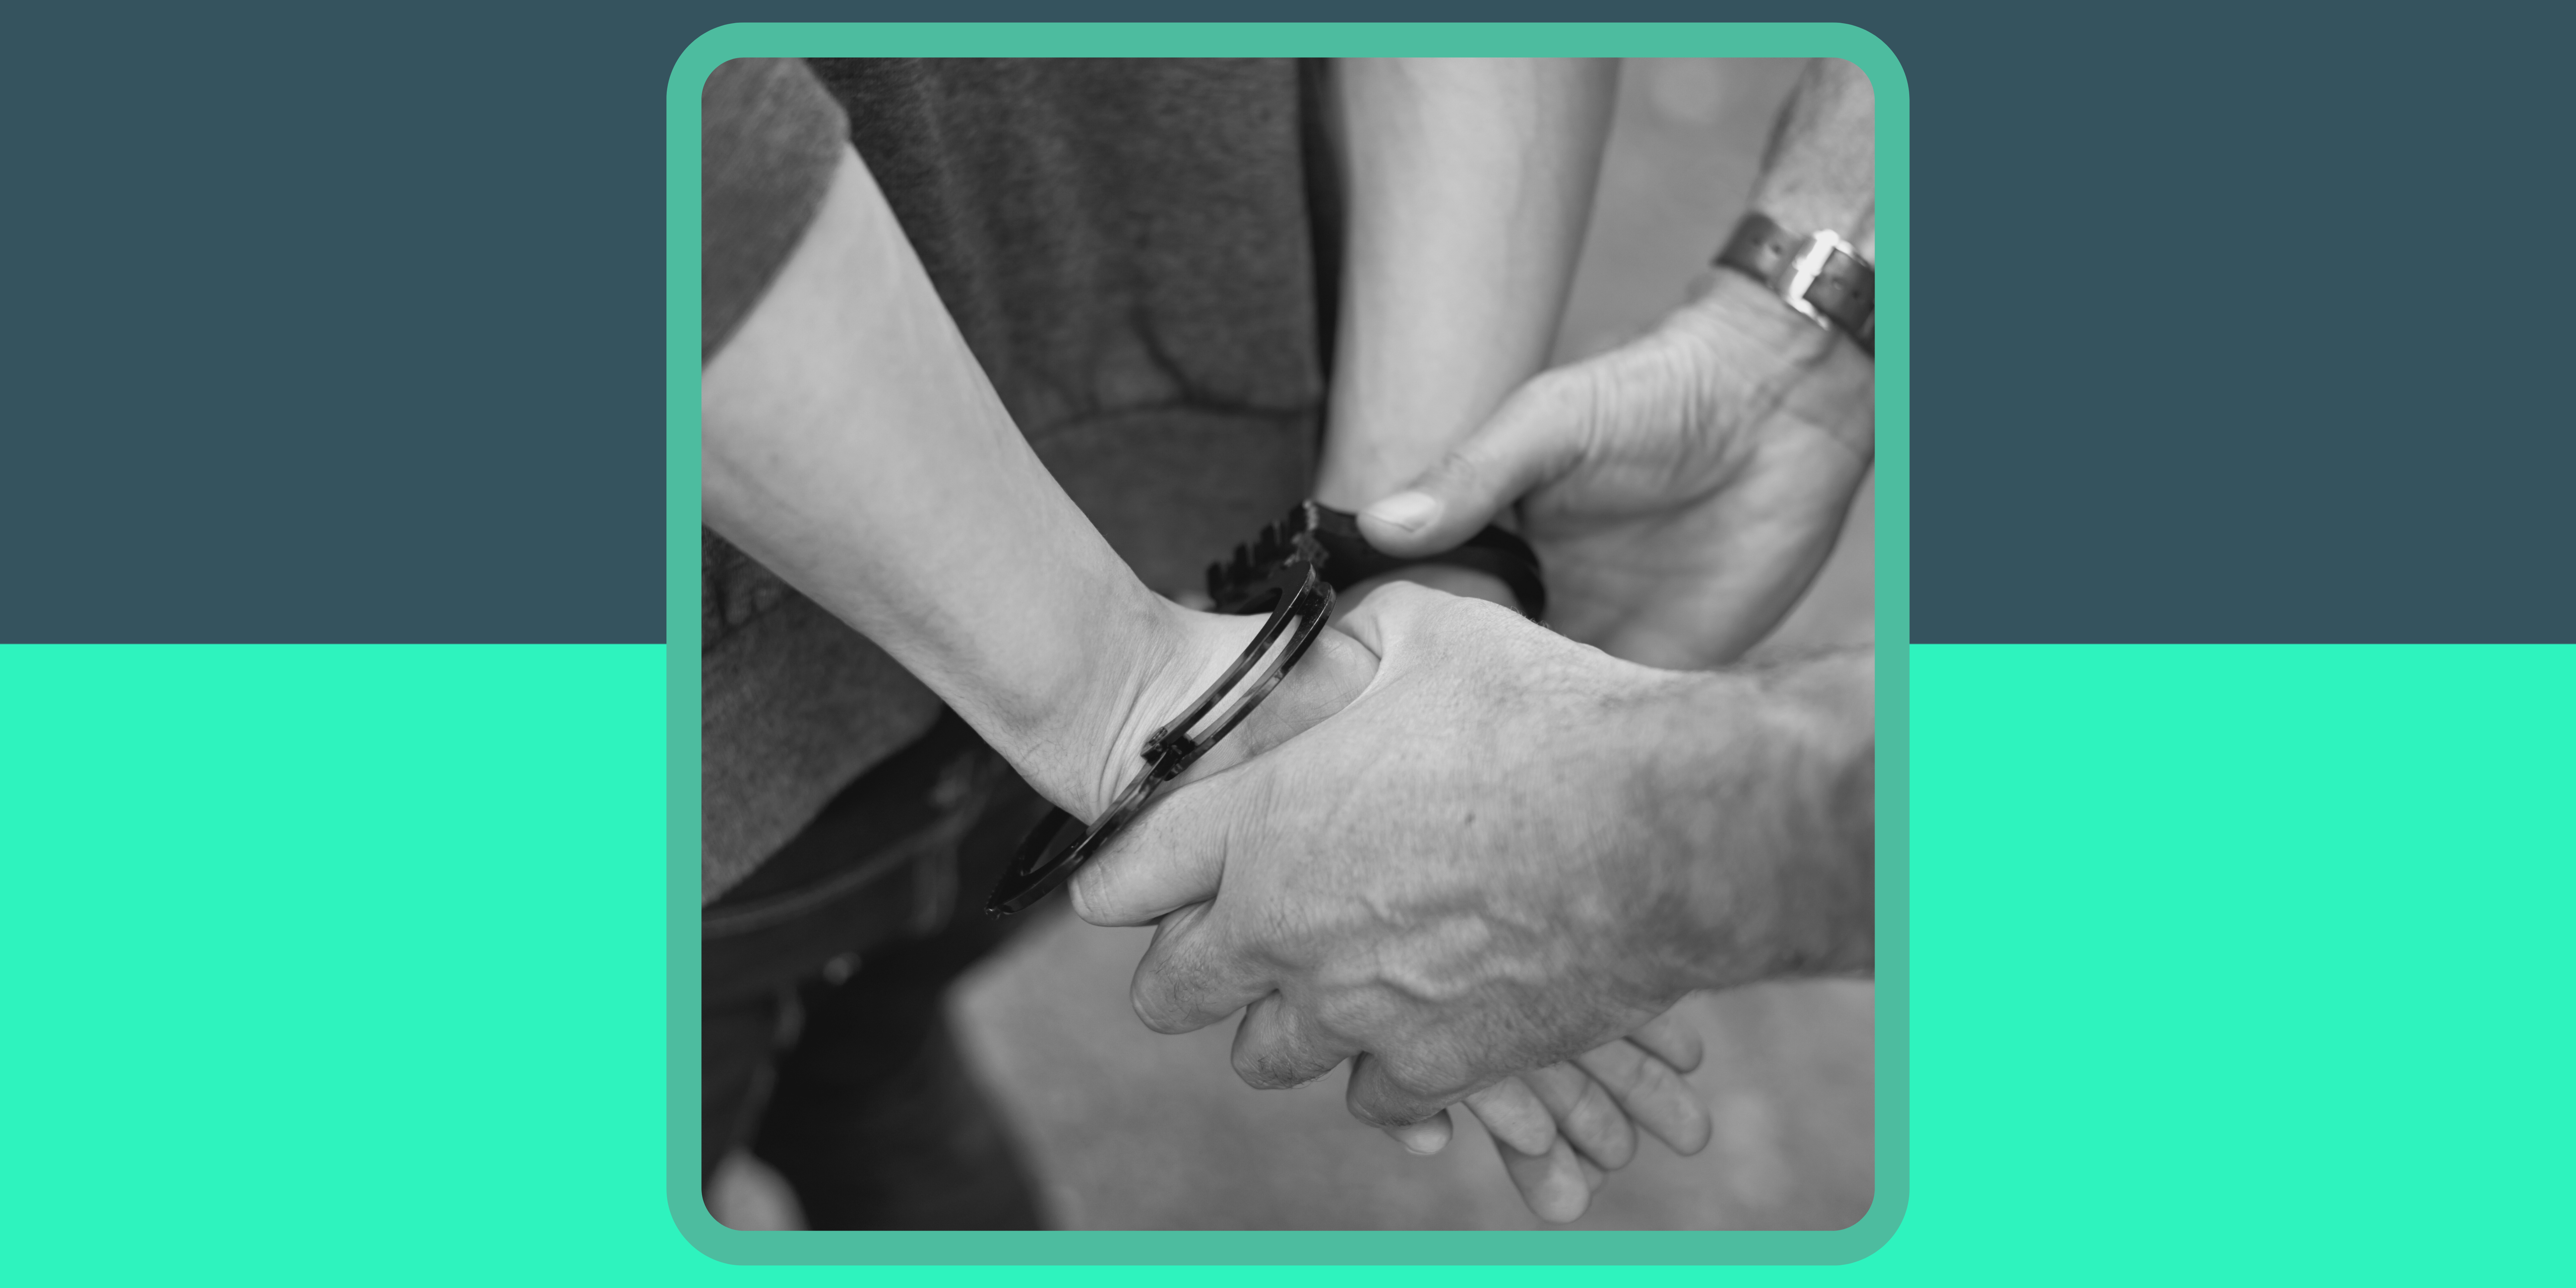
[
  {"x": 1681, "y": 490},
  {"x": 1454, "y": 878}
]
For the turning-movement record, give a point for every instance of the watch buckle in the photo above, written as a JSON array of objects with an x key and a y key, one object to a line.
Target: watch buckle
[{"x": 1803, "y": 269}]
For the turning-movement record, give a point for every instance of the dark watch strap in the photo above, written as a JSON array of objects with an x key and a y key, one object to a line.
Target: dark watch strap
[
  {"x": 1818, "y": 274},
  {"x": 1238, "y": 585}
]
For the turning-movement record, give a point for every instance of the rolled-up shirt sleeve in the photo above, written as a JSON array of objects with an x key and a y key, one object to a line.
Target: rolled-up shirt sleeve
[{"x": 771, "y": 136}]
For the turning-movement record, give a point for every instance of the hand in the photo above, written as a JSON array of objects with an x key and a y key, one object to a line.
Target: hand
[
  {"x": 1560, "y": 1130},
  {"x": 1170, "y": 656},
  {"x": 1682, "y": 490},
  {"x": 1508, "y": 850}
]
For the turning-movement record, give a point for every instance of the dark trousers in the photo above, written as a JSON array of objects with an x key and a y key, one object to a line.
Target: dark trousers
[{"x": 825, "y": 1043}]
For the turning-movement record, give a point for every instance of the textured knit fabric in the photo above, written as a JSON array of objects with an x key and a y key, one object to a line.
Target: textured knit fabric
[
  {"x": 769, "y": 139},
  {"x": 1125, "y": 246}
]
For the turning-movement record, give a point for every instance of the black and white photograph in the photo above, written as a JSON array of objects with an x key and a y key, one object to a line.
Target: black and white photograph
[{"x": 1287, "y": 644}]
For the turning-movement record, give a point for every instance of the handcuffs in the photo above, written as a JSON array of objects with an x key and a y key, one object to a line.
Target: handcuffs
[{"x": 1292, "y": 571}]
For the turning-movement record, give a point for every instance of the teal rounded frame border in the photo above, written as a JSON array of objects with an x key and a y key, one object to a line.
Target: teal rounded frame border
[{"x": 1373, "y": 1247}]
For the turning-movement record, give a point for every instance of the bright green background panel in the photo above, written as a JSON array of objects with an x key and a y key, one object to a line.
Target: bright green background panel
[
  {"x": 333, "y": 963},
  {"x": 345, "y": 961},
  {"x": 2230, "y": 959}
]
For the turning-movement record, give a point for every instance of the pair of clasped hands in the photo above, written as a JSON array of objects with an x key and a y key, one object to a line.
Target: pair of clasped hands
[{"x": 1480, "y": 859}]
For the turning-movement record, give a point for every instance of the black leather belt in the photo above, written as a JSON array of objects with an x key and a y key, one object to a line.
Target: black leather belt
[{"x": 1818, "y": 274}]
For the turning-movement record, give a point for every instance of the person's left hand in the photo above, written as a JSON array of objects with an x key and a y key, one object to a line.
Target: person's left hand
[
  {"x": 1682, "y": 490},
  {"x": 1561, "y": 1130}
]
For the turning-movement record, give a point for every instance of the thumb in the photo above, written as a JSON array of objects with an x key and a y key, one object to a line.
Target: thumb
[
  {"x": 1533, "y": 439},
  {"x": 1173, "y": 854},
  {"x": 1170, "y": 856}
]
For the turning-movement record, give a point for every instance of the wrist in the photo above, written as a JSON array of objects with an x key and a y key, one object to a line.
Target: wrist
[
  {"x": 1077, "y": 732},
  {"x": 1148, "y": 673},
  {"x": 1759, "y": 359},
  {"x": 1828, "y": 876},
  {"x": 1852, "y": 216},
  {"x": 1820, "y": 171},
  {"x": 1190, "y": 654},
  {"x": 1763, "y": 798},
  {"x": 1750, "y": 328}
]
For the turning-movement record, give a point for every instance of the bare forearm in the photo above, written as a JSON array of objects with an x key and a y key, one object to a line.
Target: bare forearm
[
  {"x": 1820, "y": 170},
  {"x": 853, "y": 445},
  {"x": 1469, "y": 185},
  {"x": 1769, "y": 793},
  {"x": 1786, "y": 845}
]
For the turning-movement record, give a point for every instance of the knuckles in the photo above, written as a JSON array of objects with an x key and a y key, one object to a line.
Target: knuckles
[
  {"x": 1158, "y": 1011},
  {"x": 1381, "y": 1110},
  {"x": 1403, "y": 1090},
  {"x": 1273, "y": 1069},
  {"x": 1352, "y": 1015},
  {"x": 1079, "y": 895}
]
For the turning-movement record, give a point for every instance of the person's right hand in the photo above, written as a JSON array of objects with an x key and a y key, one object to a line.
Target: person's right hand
[
  {"x": 1681, "y": 490},
  {"x": 1559, "y": 1129},
  {"x": 1508, "y": 851}
]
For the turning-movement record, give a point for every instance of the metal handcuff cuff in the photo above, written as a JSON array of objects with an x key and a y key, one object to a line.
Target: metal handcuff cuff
[{"x": 1292, "y": 572}]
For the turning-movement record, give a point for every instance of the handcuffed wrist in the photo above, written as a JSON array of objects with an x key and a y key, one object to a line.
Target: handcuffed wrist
[
  {"x": 1181, "y": 733},
  {"x": 1179, "y": 654},
  {"x": 1060, "y": 736}
]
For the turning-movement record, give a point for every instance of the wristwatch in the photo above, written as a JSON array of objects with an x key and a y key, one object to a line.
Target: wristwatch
[{"x": 1818, "y": 274}]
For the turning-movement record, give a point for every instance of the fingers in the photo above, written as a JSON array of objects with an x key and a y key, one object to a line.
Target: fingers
[
  {"x": 1170, "y": 856},
  {"x": 1189, "y": 978},
  {"x": 1649, "y": 1094},
  {"x": 1556, "y": 1184},
  {"x": 1514, "y": 1115},
  {"x": 1424, "y": 1138},
  {"x": 1275, "y": 1048},
  {"x": 1174, "y": 853},
  {"x": 1585, "y": 1115},
  {"x": 1670, "y": 1038},
  {"x": 1378, "y": 1097},
  {"x": 1553, "y": 1179},
  {"x": 1534, "y": 437}
]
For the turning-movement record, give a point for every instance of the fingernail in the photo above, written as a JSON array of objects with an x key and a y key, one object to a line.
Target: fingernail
[{"x": 1411, "y": 511}]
